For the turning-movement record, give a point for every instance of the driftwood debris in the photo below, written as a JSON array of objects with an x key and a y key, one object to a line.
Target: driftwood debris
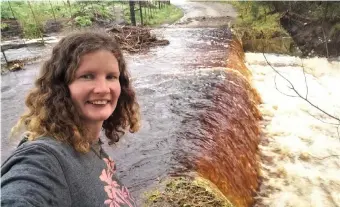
[
  {"x": 135, "y": 39},
  {"x": 16, "y": 65}
]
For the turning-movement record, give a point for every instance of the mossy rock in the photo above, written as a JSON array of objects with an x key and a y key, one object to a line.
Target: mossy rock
[{"x": 187, "y": 192}]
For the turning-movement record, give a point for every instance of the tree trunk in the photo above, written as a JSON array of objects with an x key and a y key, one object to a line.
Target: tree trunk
[
  {"x": 132, "y": 13},
  {"x": 141, "y": 13}
]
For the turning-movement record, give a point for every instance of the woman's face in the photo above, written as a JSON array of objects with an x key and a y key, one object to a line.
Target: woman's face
[{"x": 95, "y": 89}]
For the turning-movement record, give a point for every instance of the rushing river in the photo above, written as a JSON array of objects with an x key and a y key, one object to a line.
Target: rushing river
[{"x": 300, "y": 146}]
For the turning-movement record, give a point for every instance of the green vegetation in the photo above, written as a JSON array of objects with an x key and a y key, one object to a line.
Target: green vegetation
[
  {"x": 21, "y": 12},
  {"x": 88, "y": 12},
  {"x": 167, "y": 14},
  {"x": 33, "y": 16},
  {"x": 334, "y": 30},
  {"x": 186, "y": 192},
  {"x": 83, "y": 21},
  {"x": 256, "y": 21},
  {"x": 4, "y": 25},
  {"x": 260, "y": 29},
  {"x": 262, "y": 18},
  {"x": 267, "y": 26}
]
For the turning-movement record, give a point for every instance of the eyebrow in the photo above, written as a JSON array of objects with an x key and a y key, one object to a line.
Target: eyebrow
[{"x": 89, "y": 70}]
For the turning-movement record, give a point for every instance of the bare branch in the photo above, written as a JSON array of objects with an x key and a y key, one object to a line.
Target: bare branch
[
  {"x": 326, "y": 41},
  {"x": 304, "y": 74},
  {"x": 337, "y": 129},
  {"x": 281, "y": 91},
  {"x": 290, "y": 83},
  {"x": 336, "y": 118},
  {"x": 322, "y": 120},
  {"x": 322, "y": 158},
  {"x": 297, "y": 93}
]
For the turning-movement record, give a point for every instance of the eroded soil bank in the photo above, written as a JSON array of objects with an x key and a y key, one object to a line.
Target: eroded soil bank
[
  {"x": 295, "y": 28},
  {"x": 314, "y": 37}
]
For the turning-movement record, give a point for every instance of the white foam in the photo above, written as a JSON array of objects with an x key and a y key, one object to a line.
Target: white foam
[{"x": 304, "y": 169}]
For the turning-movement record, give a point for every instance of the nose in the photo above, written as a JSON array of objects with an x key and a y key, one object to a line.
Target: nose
[{"x": 101, "y": 86}]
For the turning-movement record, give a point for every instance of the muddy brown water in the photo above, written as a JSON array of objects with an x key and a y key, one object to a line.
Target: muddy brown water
[{"x": 175, "y": 85}]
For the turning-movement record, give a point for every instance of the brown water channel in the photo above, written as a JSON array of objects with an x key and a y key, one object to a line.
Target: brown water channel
[{"x": 175, "y": 85}]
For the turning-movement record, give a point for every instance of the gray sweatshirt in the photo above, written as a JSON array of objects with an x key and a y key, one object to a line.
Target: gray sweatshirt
[{"x": 47, "y": 172}]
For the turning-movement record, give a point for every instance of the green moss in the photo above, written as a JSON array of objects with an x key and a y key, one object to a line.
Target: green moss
[
  {"x": 185, "y": 192},
  {"x": 334, "y": 30}
]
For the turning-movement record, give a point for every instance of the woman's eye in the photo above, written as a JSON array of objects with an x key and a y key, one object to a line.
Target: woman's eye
[
  {"x": 87, "y": 76},
  {"x": 111, "y": 77}
]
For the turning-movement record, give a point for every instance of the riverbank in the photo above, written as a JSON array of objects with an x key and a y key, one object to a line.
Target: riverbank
[
  {"x": 39, "y": 19},
  {"x": 276, "y": 27},
  {"x": 260, "y": 31},
  {"x": 18, "y": 51}
]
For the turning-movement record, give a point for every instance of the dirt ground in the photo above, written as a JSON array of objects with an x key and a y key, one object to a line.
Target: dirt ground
[
  {"x": 205, "y": 14},
  {"x": 311, "y": 35}
]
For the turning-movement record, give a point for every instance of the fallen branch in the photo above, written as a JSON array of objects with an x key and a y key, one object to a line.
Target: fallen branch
[{"x": 135, "y": 39}]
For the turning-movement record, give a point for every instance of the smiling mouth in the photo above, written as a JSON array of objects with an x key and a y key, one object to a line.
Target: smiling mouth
[{"x": 98, "y": 102}]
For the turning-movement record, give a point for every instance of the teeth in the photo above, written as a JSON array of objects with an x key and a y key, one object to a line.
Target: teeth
[{"x": 98, "y": 102}]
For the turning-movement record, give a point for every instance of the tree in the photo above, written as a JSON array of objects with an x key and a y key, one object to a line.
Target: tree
[{"x": 132, "y": 12}]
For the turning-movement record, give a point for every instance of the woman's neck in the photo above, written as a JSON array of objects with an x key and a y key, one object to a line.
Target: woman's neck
[{"x": 94, "y": 130}]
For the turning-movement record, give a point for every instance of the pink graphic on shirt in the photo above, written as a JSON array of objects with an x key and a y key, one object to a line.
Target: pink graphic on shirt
[{"x": 117, "y": 195}]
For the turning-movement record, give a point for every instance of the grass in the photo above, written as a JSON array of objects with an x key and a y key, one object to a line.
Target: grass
[
  {"x": 260, "y": 29},
  {"x": 166, "y": 15},
  {"x": 80, "y": 14},
  {"x": 33, "y": 15},
  {"x": 32, "y": 27},
  {"x": 254, "y": 21}
]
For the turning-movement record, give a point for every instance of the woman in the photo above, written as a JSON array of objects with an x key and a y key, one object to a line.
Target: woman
[{"x": 82, "y": 89}]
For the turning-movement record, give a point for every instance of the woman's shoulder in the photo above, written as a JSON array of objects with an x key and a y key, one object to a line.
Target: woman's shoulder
[
  {"x": 45, "y": 143},
  {"x": 33, "y": 167},
  {"x": 46, "y": 146},
  {"x": 47, "y": 149}
]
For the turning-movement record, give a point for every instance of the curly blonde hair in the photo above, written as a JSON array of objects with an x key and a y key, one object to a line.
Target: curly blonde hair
[{"x": 50, "y": 109}]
